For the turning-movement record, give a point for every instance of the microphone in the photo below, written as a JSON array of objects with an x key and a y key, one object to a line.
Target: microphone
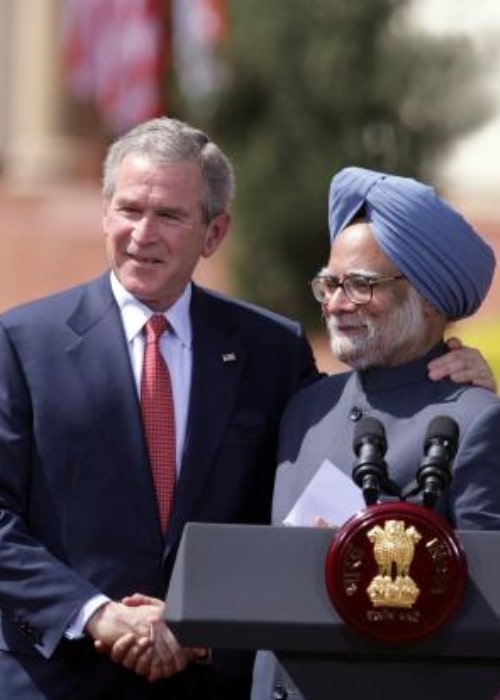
[
  {"x": 440, "y": 447},
  {"x": 370, "y": 469}
]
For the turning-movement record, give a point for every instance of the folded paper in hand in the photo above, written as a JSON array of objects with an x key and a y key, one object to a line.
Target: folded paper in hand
[{"x": 330, "y": 494}]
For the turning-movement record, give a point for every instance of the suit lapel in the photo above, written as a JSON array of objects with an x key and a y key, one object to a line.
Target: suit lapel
[
  {"x": 219, "y": 358},
  {"x": 100, "y": 356}
]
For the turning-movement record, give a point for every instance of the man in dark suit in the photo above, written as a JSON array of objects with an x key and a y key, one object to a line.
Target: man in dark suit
[
  {"x": 80, "y": 529},
  {"x": 79, "y": 525}
]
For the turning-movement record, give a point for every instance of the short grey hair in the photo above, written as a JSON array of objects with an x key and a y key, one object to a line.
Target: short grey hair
[{"x": 166, "y": 140}]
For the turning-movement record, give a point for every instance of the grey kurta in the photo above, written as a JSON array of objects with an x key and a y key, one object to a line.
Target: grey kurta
[{"x": 319, "y": 424}]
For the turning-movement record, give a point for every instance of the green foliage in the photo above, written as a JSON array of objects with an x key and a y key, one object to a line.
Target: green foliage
[{"x": 317, "y": 85}]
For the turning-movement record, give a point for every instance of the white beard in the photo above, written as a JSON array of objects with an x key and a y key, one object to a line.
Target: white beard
[{"x": 382, "y": 342}]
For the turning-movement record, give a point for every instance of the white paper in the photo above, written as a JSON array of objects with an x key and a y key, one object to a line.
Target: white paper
[{"x": 330, "y": 494}]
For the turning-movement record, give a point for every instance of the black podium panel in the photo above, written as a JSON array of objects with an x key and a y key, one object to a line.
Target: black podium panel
[{"x": 256, "y": 587}]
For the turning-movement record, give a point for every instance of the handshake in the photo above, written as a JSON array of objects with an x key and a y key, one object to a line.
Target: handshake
[{"x": 133, "y": 633}]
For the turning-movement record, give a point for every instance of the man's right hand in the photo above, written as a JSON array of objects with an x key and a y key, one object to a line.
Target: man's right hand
[
  {"x": 114, "y": 620},
  {"x": 134, "y": 635}
]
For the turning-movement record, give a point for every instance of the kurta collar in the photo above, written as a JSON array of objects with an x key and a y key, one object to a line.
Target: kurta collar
[{"x": 409, "y": 373}]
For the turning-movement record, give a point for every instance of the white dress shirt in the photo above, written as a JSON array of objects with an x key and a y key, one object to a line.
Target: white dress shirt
[{"x": 175, "y": 345}]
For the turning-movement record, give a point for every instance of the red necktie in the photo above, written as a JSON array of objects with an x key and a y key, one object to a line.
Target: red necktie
[{"x": 157, "y": 408}]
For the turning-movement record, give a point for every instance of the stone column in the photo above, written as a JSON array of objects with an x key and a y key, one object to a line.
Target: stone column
[{"x": 36, "y": 149}]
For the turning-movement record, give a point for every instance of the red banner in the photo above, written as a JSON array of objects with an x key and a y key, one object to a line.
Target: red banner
[{"x": 115, "y": 53}]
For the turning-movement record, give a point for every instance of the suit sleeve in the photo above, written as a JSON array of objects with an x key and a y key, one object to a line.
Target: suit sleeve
[
  {"x": 39, "y": 593},
  {"x": 308, "y": 371},
  {"x": 475, "y": 488}
]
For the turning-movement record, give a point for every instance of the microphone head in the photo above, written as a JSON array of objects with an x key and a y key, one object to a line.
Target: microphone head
[
  {"x": 369, "y": 430},
  {"x": 445, "y": 430}
]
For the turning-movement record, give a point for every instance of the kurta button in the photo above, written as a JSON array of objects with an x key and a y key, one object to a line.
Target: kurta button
[
  {"x": 355, "y": 414},
  {"x": 280, "y": 692}
]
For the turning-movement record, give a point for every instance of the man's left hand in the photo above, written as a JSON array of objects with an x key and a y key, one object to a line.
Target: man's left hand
[{"x": 463, "y": 365}]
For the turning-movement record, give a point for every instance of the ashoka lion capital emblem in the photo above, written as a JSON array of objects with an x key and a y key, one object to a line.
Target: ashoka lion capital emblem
[
  {"x": 393, "y": 550},
  {"x": 368, "y": 567}
]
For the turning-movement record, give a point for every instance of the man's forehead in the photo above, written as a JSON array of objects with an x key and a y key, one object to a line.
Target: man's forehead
[{"x": 356, "y": 249}]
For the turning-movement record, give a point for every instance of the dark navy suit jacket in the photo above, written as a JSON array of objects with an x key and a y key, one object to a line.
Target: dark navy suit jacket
[{"x": 77, "y": 504}]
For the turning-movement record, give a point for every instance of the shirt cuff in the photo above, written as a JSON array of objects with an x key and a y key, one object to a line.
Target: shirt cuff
[{"x": 76, "y": 627}]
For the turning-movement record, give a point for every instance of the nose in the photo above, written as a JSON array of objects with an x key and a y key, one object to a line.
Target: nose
[
  {"x": 338, "y": 302},
  {"x": 144, "y": 230}
]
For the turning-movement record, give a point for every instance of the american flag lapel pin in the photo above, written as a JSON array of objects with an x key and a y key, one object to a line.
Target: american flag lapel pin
[{"x": 228, "y": 357}]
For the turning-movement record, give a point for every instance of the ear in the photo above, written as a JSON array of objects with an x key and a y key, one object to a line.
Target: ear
[
  {"x": 105, "y": 204},
  {"x": 429, "y": 312},
  {"x": 105, "y": 211},
  {"x": 215, "y": 233}
]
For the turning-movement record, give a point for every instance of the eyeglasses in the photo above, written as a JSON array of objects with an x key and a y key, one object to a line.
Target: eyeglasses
[{"x": 357, "y": 288}]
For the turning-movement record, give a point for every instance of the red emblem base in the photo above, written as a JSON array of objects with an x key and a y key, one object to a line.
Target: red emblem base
[{"x": 396, "y": 572}]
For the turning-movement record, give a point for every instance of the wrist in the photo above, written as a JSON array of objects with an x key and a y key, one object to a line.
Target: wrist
[{"x": 94, "y": 623}]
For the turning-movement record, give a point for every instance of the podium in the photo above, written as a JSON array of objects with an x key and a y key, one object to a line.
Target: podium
[{"x": 263, "y": 587}]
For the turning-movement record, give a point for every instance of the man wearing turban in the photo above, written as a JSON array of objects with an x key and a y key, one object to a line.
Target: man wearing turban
[{"x": 403, "y": 264}]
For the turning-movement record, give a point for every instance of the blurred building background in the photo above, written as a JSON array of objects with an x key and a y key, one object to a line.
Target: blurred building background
[
  {"x": 64, "y": 94},
  {"x": 471, "y": 173}
]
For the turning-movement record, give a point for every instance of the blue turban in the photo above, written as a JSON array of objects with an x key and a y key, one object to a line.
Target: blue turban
[{"x": 429, "y": 242}]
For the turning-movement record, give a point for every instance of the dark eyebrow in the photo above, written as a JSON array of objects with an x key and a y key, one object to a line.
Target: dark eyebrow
[
  {"x": 124, "y": 201},
  {"x": 174, "y": 211}
]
